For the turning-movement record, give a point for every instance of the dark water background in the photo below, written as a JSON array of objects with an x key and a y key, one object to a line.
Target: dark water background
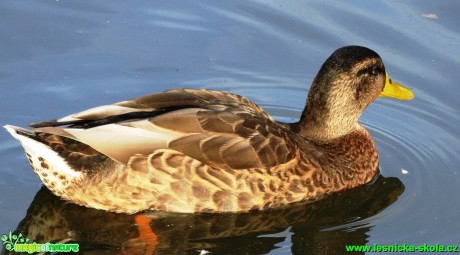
[{"x": 59, "y": 57}]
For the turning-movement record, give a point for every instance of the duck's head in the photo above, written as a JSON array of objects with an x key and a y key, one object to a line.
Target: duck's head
[{"x": 349, "y": 80}]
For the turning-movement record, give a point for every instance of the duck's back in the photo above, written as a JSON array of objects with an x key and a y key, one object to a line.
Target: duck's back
[{"x": 217, "y": 128}]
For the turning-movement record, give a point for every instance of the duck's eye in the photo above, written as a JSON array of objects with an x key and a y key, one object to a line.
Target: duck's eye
[
  {"x": 375, "y": 71},
  {"x": 372, "y": 71}
]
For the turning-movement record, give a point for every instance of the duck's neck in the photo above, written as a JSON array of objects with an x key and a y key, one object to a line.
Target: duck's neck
[
  {"x": 327, "y": 115},
  {"x": 323, "y": 128}
]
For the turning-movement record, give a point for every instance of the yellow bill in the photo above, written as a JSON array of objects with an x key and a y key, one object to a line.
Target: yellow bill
[{"x": 395, "y": 90}]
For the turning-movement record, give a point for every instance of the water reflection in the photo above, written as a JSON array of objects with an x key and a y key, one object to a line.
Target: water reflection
[{"x": 312, "y": 228}]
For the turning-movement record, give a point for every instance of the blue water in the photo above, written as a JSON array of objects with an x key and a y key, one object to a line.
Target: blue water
[{"x": 60, "y": 57}]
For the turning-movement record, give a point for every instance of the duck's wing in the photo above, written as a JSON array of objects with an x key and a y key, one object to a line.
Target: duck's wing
[
  {"x": 220, "y": 129},
  {"x": 152, "y": 104}
]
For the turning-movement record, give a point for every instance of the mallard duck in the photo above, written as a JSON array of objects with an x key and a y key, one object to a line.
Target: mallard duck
[{"x": 189, "y": 150}]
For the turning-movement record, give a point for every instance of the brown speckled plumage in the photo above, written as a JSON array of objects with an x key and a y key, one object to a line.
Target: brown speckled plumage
[{"x": 187, "y": 150}]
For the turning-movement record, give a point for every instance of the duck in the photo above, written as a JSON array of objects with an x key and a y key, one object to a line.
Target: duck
[{"x": 209, "y": 151}]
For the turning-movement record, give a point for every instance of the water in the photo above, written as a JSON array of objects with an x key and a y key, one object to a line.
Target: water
[{"x": 59, "y": 57}]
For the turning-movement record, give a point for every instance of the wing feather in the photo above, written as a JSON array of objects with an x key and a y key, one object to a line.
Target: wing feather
[{"x": 220, "y": 129}]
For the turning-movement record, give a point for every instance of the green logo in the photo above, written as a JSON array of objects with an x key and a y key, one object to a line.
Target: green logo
[{"x": 19, "y": 243}]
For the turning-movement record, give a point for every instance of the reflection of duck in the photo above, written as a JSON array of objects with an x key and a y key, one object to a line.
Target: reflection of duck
[
  {"x": 190, "y": 150},
  {"x": 50, "y": 219}
]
